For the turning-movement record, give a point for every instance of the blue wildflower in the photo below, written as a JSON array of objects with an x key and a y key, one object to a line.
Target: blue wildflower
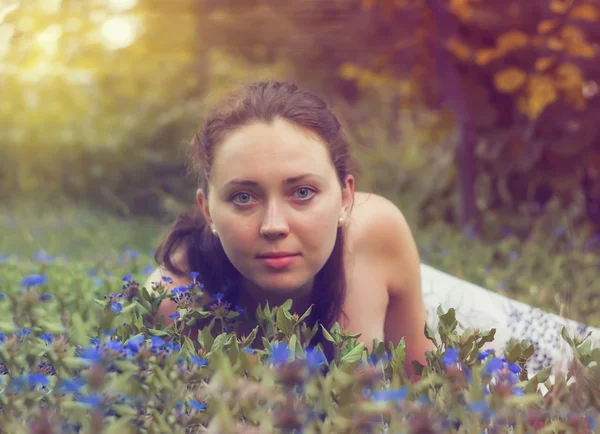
[
  {"x": 218, "y": 296},
  {"x": 450, "y": 357},
  {"x": 199, "y": 361},
  {"x": 34, "y": 280},
  {"x": 148, "y": 269},
  {"x": 390, "y": 395},
  {"x": 194, "y": 275},
  {"x": 493, "y": 365},
  {"x": 484, "y": 354},
  {"x": 167, "y": 279},
  {"x": 116, "y": 307},
  {"x": 173, "y": 347},
  {"x": 126, "y": 278},
  {"x": 180, "y": 289},
  {"x": 197, "y": 405},
  {"x": 133, "y": 344},
  {"x": 38, "y": 378},
  {"x": 514, "y": 368},
  {"x": 374, "y": 359},
  {"x": 518, "y": 392},
  {"x": 95, "y": 341},
  {"x": 93, "y": 354},
  {"x": 46, "y": 296},
  {"x": 280, "y": 353},
  {"x": 174, "y": 316},
  {"x": 114, "y": 345},
  {"x": 314, "y": 359},
  {"x": 71, "y": 385},
  {"x": 47, "y": 337},
  {"x": 249, "y": 350},
  {"x": 25, "y": 331},
  {"x": 239, "y": 310},
  {"x": 42, "y": 256},
  {"x": 91, "y": 400},
  {"x": 157, "y": 342}
]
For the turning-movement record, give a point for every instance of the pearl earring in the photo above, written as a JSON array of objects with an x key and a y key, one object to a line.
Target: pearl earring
[
  {"x": 341, "y": 220},
  {"x": 214, "y": 231}
]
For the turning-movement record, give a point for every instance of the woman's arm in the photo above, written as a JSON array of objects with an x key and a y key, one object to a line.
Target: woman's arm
[{"x": 406, "y": 314}]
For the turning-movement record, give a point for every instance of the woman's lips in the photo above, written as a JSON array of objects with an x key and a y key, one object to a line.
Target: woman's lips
[{"x": 280, "y": 262}]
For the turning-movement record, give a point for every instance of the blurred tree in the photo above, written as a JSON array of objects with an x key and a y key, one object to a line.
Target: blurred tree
[{"x": 93, "y": 88}]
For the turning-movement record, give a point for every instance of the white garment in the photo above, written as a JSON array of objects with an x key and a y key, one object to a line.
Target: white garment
[{"x": 477, "y": 307}]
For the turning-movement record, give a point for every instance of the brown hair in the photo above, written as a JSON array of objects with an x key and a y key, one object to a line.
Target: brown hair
[{"x": 257, "y": 102}]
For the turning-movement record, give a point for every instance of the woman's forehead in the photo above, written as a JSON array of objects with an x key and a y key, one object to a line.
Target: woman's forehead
[{"x": 271, "y": 151}]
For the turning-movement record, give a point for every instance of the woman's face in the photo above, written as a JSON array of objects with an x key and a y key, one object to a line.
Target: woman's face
[{"x": 274, "y": 188}]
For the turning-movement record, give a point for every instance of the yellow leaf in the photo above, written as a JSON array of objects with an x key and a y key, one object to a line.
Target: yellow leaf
[
  {"x": 485, "y": 56},
  {"x": 585, "y": 12},
  {"x": 582, "y": 50},
  {"x": 462, "y": 9},
  {"x": 569, "y": 76},
  {"x": 459, "y": 48},
  {"x": 546, "y": 26},
  {"x": 556, "y": 44},
  {"x": 559, "y": 6},
  {"x": 348, "y": 71},
  {"x": 544, "y": 63},
  {"x": 572, "y": 34},
  {"x": 512, "y": 40},
  {"x": 541, "y": 92},
  {"x": 509, "y": 79}
]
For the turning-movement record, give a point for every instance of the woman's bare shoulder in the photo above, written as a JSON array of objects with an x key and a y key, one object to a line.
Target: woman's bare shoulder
[
  {"x": 369, "y": 212},
  {"x": 160, "y": 272},
  {"x": 379, "y": 229}
]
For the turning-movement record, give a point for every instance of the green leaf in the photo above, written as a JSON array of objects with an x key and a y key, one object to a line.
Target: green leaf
[
  {"x": 565, "y": 335},
  {"x": 287, "y": 305},
  {"x": 430, "y": 335},
  {"x": 205, "y": 338},
  {"x": 283, "y": 322},
  {"x": 77, "y": 331},
  {"x": 292, "y": 345},
  {"x": 121, "y": 426},
  {"x": 156, "y": 332},
  {"x": 305, "y": 314},
  {"x": 327, "y": 336},
  {"x": 354, "y": 354}
]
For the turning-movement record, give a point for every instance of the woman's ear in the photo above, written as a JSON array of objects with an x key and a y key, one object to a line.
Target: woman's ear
[
  {"x": 347, "y": 195},
  {"x": 202, "y": 200}
]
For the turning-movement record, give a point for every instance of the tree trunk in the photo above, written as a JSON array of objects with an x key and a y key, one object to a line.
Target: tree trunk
[{"x": 445, "y": 27}]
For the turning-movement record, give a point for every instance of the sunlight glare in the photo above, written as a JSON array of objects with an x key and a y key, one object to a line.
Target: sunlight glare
[
  {"x": 118, "y": 32},
  {"x": 121, "y": 5}
]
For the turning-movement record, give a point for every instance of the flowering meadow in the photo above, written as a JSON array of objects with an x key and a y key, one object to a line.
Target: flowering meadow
[{"x": 81, "y": 350}]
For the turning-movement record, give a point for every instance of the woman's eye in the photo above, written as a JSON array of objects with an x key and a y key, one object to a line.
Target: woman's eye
[
  {"x": 244, "y": 198},
  {"x": 305, "y": 193}
]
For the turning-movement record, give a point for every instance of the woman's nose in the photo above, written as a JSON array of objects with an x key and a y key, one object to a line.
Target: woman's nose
[{"x": 274, "y": 223}]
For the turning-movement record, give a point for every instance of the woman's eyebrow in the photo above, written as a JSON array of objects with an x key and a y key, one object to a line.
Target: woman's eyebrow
[{"x": 290, "y": 180}]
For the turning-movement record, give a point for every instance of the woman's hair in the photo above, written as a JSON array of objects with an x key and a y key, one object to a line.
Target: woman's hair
[{"x": 190, "y": 246}]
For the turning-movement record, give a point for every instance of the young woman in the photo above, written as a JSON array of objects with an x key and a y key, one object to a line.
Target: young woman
[{"x": 277, "y": 217}]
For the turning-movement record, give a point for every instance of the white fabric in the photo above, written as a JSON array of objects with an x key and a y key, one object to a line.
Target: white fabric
[{"x": 477, "y": 307}]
